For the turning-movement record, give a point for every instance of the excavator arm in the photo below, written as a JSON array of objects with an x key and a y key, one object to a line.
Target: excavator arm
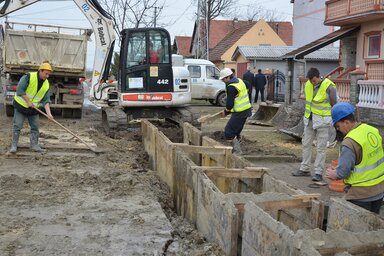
[{"x": 102, "y": 26}]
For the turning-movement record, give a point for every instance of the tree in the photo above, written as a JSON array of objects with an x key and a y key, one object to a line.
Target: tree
[
  {"x": 207, "y": 11},
  {"x": 133, "y": 13},
  {"x": 256, "y": 12},
  {"x": 115, "y": 64}
]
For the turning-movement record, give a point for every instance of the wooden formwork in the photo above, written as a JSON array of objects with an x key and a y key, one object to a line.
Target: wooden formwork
[{"x": 211, "y": 188}]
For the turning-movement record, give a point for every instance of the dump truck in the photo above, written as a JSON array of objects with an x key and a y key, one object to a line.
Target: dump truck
[{"x": 26, "y": 46}]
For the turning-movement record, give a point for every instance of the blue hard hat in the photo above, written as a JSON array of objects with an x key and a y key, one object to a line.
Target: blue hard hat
[{"x": 341, "y": 110}]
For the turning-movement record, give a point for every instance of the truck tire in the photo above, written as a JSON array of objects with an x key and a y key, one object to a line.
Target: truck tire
[
  {"x": 76, "y": 113},
  {"x": 66, "y": 112},
  {"x": 221, "y": 99},
  {"x": 9, "y": 110}
]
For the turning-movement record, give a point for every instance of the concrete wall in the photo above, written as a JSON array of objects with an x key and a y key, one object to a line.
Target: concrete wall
[{"x": 343, "y": 215}]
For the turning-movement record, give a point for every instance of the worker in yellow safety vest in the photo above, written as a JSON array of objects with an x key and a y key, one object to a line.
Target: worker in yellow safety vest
[
  {"x": 320, "y": 96},
  {"x": 361, "y": 160},
  {"x": 31, "y": 93},
  {"x": 237, "y": 105}
]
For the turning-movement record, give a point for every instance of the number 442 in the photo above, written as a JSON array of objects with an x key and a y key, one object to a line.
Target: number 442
[{"x": 162, "y": 81}]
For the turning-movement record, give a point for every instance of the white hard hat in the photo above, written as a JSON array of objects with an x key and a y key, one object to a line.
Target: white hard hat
[{"x": 225, "y": 72}]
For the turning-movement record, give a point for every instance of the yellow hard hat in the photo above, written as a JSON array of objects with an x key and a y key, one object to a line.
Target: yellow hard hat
[{"x": 46, "y": 66}]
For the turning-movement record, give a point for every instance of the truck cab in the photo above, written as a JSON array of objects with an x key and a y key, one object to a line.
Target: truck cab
[{"x": 205, "y": 83}]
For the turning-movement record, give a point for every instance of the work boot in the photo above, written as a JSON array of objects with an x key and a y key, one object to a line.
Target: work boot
[
  {"x": 35, "y": 142},
  {"x": 15, "y": 140},
  {"x": 236, "y": 147}
]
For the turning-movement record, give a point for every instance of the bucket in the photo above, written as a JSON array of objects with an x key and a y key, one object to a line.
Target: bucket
[{"x": 336, "y": 185}]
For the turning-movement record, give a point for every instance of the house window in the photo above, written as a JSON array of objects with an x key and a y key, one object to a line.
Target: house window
[{"x": 374, "y": 42}]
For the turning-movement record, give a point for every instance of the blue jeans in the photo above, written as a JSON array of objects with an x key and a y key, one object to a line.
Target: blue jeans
[
  {"x": 373, "y": 206},
  {"x": 18, "y": 121}
]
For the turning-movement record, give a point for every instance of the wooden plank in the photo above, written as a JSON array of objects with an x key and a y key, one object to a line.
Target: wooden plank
[
  {"x": 234, "y": 173},
  {"x": 308, "y": 196},
  {"x": 202, "y": 149},
  {"x": 363, "y": 250},
  {"x": 279, "y": 204}
]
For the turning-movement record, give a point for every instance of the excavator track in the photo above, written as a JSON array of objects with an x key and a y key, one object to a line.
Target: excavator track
[
  {"x": 113, "y": 119},
  {"x": 186, "y": 114}
]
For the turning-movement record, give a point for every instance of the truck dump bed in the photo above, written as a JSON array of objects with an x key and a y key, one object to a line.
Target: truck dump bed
[{"x": 25, "y": 49}]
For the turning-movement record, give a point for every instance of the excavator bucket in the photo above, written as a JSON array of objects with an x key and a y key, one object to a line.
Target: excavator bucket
[{"x": 265, "y": 114}]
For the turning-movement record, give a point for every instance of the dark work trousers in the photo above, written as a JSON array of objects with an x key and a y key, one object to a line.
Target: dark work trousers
[
  {"x": 373, "y": 206},
  {"x": 261, "y": 90}
]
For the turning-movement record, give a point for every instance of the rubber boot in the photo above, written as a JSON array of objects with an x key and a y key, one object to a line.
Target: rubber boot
[
  {"x": 35, "y": 142},
  {"x": 15, "y": 140},
  {"x": 236, "y": 147}
]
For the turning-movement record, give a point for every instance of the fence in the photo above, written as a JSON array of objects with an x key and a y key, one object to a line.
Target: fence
[{"x": 371, "y": 94}]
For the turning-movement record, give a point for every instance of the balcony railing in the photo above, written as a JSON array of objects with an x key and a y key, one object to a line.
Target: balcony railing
[
  {"x": 337, "y": 10},
  {"x": 343, "y": 88},
  {"x": 371, "y": 94}
]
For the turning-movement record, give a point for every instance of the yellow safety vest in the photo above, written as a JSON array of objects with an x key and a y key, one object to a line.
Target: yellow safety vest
[
  {"x": 33, "y": 95},
  {"x": 370, "y": 171},
  {"x": 242, "y": 99},
  {"x": 319, "y": 104}
]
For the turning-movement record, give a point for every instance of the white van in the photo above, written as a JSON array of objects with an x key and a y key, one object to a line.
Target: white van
[{"x": 205, "y": 83}]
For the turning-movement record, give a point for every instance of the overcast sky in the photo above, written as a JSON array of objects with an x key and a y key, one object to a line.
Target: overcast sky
[{"x": 179, "y": 14}]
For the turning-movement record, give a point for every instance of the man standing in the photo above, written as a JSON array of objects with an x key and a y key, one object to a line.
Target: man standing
[
  {"x": 361, "y": 160},
  {"x": 31, "y": 93},
  {"x": 238, "y": 105},
  {"x": 260, "y": 82},
  {"x": 320, "y": 96},
  {"x": 249, "y": 80}
]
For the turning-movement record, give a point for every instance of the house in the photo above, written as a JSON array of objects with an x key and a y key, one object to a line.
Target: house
[
  {"x": 259, "y": 33},
  {"x": 181, "y": 45},
  {"x": 360, "y": 75},
  {"x": 219, "y": 29},
  {"x": 269, "y": 59},
  {"x": 308, "y": 21}
]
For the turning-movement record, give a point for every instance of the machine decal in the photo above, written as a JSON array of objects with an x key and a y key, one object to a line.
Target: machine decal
[
  {"x": 148, "y": 97},
  {"x": 162, "y": 81},
  {"x": 101, "y": 35},
  {"x": 85, "y": 7},
  {"x": 135, "y": 82},
  {"x": 154, "y": 71}
]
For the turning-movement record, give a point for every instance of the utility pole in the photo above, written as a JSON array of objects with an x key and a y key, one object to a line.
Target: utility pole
[
  {"x": 202, "y": 30},
  {"x": 154, "y": 22}
]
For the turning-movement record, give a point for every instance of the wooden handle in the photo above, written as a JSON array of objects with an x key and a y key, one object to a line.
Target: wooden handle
[
  {"x": 209, "y": 118},
  {"x": 65, "y": 128}
]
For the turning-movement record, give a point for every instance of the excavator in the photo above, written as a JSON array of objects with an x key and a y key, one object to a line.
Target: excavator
[{"x": 148, "y": 86}]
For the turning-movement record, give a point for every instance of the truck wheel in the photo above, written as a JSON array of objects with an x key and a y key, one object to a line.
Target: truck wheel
[
  {"x": 66, "y": 112},
  {"x": 76, "y": 113},
  {"x": 221, "y": 99},
  {"x": 213, "y": 102},
  {"x": 9, "y": 110}
]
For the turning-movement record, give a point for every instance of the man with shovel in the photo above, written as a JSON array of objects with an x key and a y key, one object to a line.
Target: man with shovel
[
  {"x": 31, "y": 93},
  {"x": 238, "y": 105}
]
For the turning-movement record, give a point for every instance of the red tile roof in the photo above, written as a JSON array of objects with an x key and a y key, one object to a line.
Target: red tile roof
[
  {"x": 284, "y": 30},
  {"x": 182, "y": 44},
  {"x": 219, "y": 29}
]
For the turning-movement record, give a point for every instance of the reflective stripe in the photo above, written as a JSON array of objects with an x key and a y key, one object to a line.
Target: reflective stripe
[
  {"x": 321, "y": 108},
  {"x": 33, "y": 96},
  {"x": 378, "y": 176},
  {"x": 240, "y": 106},
  {"x": 240, "y": 98},
  {"x": 370, "y": 167}
]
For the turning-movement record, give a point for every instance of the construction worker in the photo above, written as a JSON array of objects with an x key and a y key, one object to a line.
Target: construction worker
[
  {"x": 320, "y": 96},
  {"x": 31, "y": 93},
  {"x": 238, "y": 105},
  {"x": 361, "y": 160}
]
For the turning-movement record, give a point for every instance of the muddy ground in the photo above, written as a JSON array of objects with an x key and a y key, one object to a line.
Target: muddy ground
[
  {"x": 74, "y": 202},
  {"x": 112, "y": 203}
]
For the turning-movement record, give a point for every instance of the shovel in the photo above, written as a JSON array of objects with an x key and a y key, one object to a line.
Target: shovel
[{"x": 93, "y": 149}]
